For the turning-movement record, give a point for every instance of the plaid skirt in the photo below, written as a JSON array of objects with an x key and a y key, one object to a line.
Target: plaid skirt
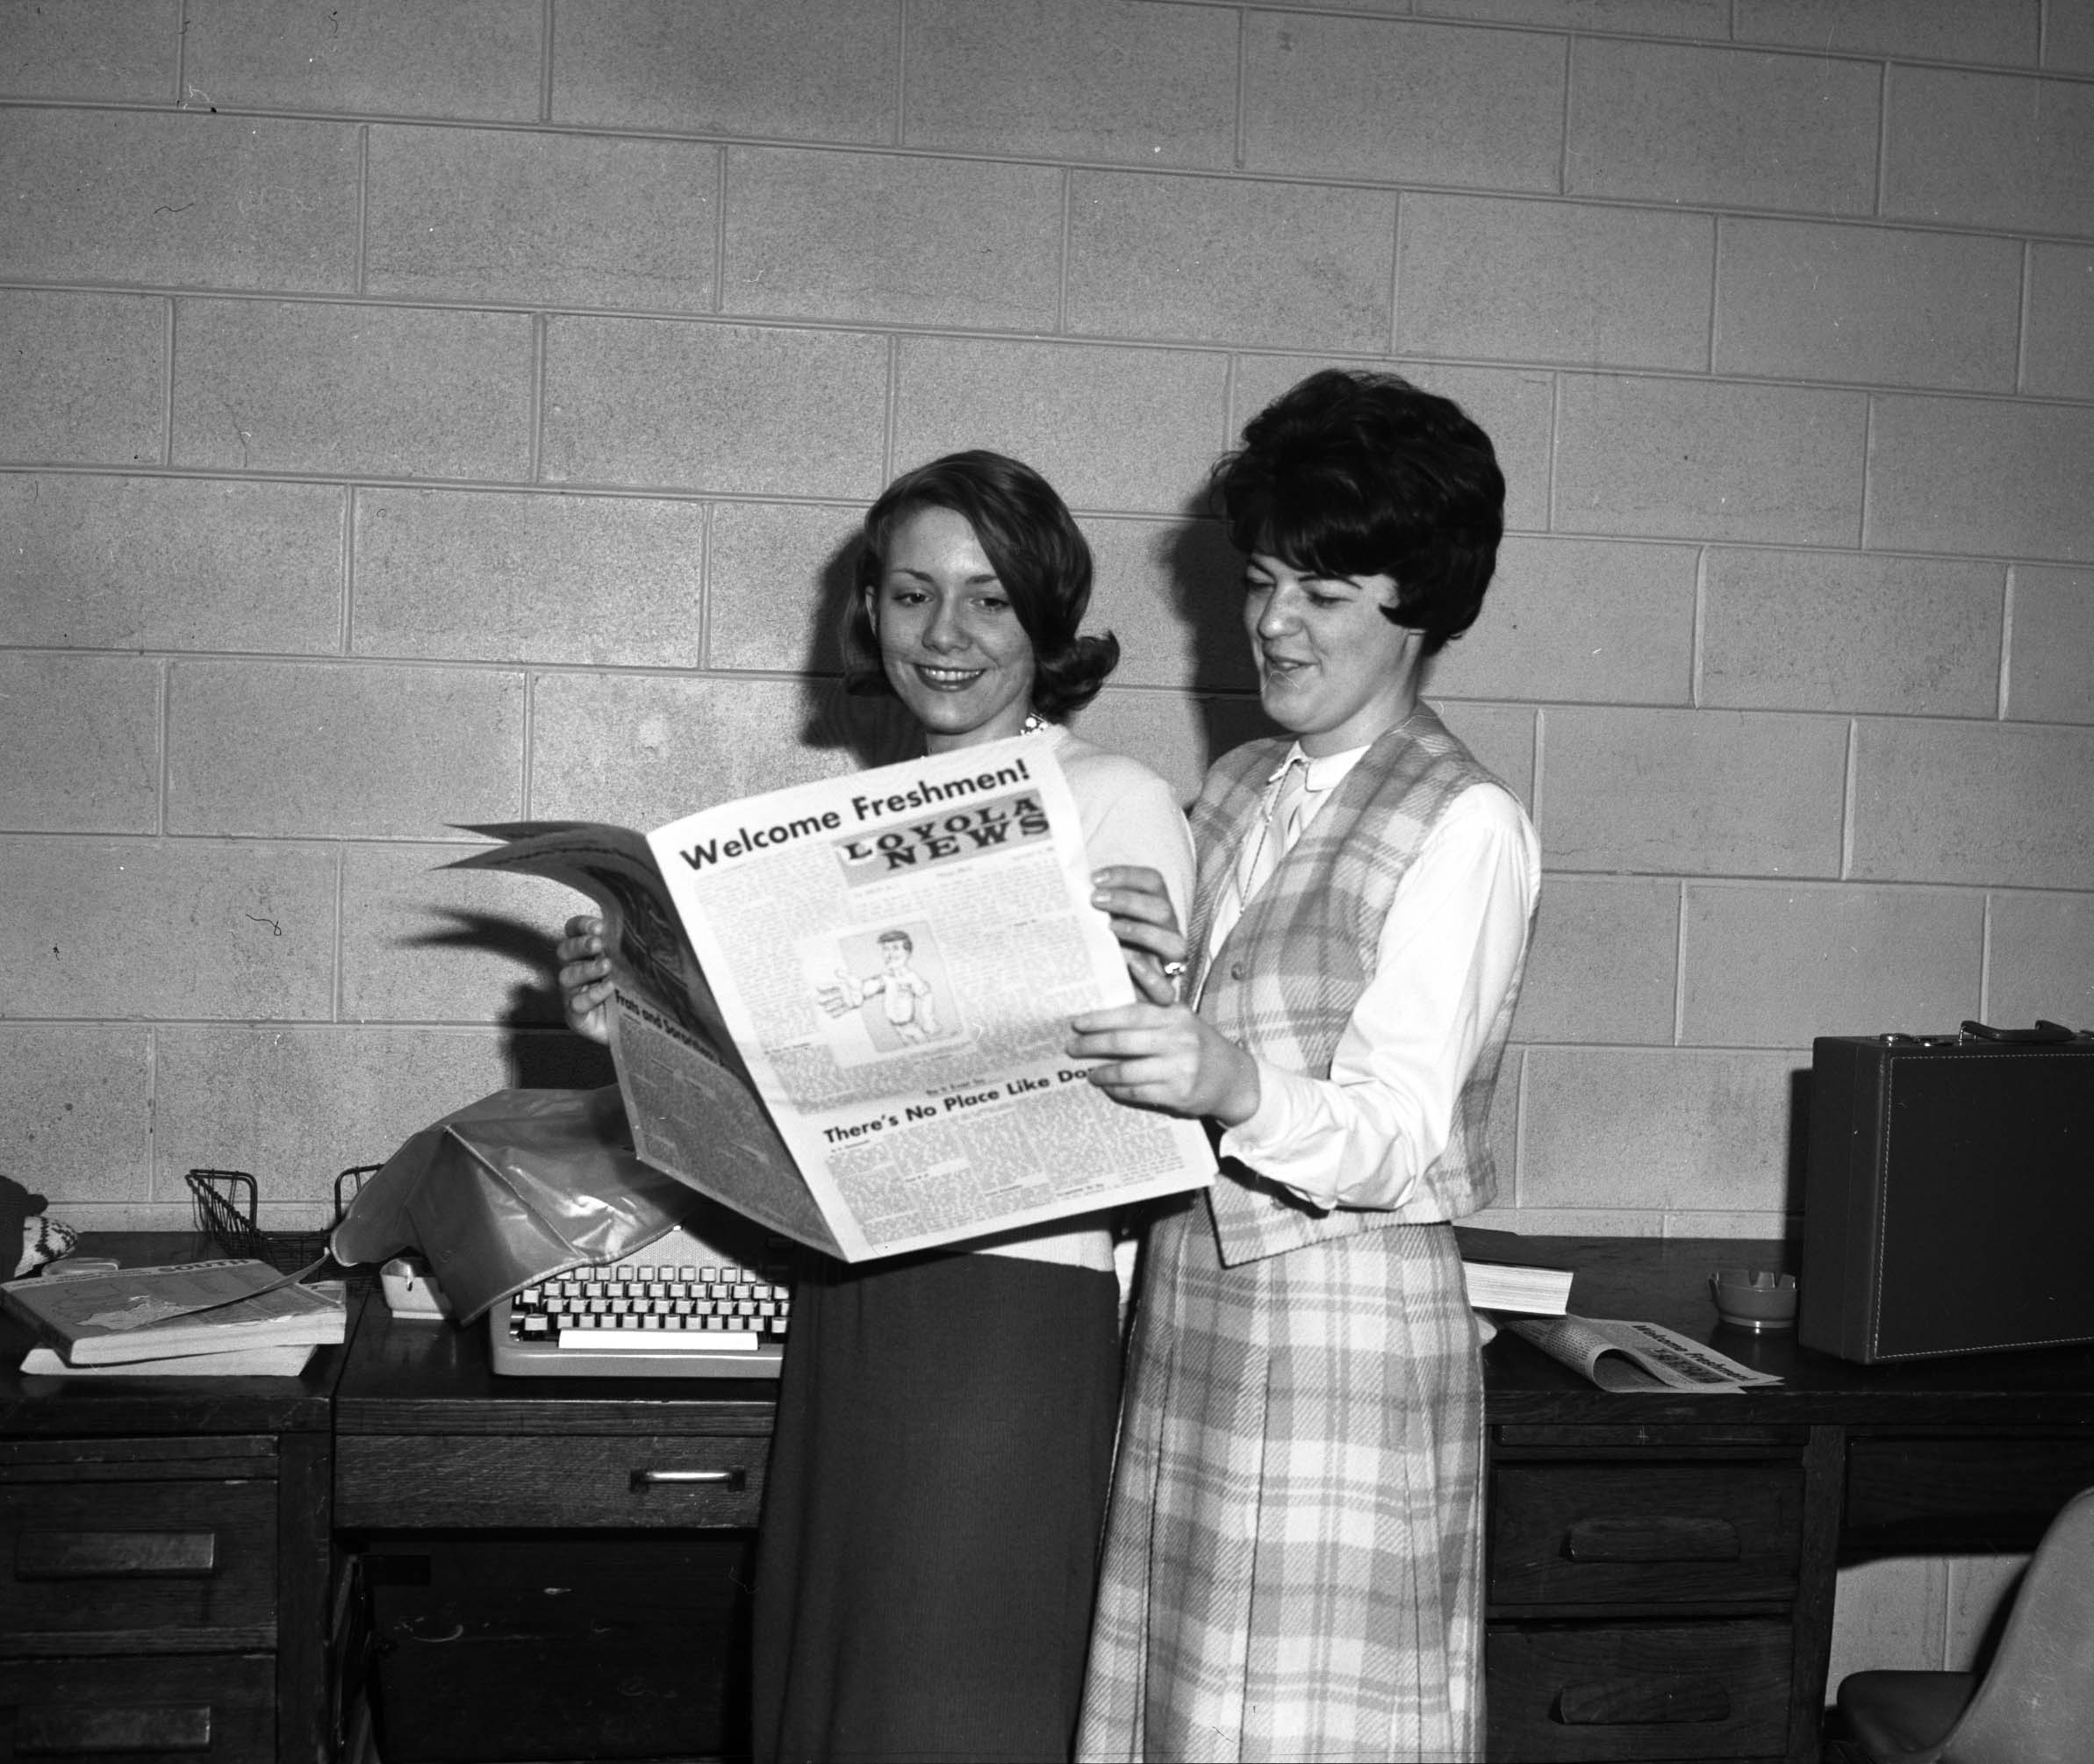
[{"x": 1294, "y": 1553}]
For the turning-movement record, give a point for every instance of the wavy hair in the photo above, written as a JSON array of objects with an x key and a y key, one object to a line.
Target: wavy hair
[
  {"x": 1352, "y": 473},
  {"x": 1032, "y": 542}
]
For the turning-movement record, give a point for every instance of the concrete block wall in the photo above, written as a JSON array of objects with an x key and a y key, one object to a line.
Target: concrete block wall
[{"x": 416, "y": 415}]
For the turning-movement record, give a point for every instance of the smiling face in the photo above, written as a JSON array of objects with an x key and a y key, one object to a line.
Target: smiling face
[
  {"x": 1330, "y": 669},
  {"x": 949, "y": 640}
]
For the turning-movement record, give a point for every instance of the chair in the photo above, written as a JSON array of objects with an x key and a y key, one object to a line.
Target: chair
[{"x": 2034, "y": 1705}]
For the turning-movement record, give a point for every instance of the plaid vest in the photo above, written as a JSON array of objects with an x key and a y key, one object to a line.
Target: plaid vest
[{"x": 1287, "y": 979}]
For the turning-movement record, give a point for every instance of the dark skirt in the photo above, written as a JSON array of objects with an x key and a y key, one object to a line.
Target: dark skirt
[{"x": 937, "y": 1484}]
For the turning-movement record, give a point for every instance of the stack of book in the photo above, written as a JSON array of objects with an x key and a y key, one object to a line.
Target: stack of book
[
  {"x": 1505, "y": 1273},
  {"x": 232, "y": 1318}
]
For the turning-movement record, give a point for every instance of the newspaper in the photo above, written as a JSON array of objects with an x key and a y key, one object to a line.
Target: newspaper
[
  {"x": 1618, "y": 1355},
  {"x": 841, "y": 1008}
]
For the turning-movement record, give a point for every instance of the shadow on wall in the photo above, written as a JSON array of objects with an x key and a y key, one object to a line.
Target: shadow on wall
[{"x": 1205, "y": 577}]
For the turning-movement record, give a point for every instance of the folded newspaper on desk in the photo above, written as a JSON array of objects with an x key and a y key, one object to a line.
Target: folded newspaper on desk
[
  {"x": 840, "y": 1008},
  {"x": 1623, "y": 1356}
]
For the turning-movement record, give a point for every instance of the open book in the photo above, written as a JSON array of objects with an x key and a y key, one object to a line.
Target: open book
[
  {"x": 1622, "y": 1356},
  {"x": 841, "y": 1008}
]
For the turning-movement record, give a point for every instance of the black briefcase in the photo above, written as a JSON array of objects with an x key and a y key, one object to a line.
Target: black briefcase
[{"x": 1948, "y": 1200}]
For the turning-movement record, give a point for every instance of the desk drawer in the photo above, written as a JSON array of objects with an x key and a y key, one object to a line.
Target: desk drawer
[
  {"x": 1622, "y": 1533},
  {"x": 1587, "y": 1693},
  {"x": 536, "y": 1481},
  {"x": 214, "y": 1709},
  {"x": 137, "y": 1566}
]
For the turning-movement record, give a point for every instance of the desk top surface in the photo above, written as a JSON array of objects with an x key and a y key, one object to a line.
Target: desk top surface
[{"x": 425, "y": 1377}]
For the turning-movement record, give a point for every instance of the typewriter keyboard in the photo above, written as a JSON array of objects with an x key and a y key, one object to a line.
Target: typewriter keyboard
[{"x": 657, "y": 1314}]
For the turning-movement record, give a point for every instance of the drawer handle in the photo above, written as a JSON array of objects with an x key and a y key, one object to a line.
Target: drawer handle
[
  {"x": 1651, "y": 1540},
  {"x": 94, "y": 1555},
  {"x": 736, "y": 1478},
  {"x": 1643, "y": 1702},
  {"x": 66, "y": 1731}
]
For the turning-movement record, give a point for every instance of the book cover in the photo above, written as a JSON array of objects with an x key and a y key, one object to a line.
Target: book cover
[
  {"x": 152, "y": 1313},
  {"x": 241, "y": 1362}
]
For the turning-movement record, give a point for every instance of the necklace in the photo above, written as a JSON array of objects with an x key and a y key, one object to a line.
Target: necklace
[{"x": 1034, "y": 724}]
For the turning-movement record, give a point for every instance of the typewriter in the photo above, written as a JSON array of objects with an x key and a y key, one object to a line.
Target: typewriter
[{"x": 686, "y": 1306}]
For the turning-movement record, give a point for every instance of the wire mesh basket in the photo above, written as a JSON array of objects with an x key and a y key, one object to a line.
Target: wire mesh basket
[{"x": 224, "y": 1202}]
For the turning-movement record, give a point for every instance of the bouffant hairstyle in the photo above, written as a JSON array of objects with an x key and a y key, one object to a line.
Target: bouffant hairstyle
[
  {"x": 1039, "y": 554},
  {"x": 1353, "y": 473}
]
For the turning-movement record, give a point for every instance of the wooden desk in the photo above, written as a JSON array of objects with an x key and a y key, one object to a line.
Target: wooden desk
[
  {"x": 1661, "y": 1566},
  {"x": 165, "y": 1573}
]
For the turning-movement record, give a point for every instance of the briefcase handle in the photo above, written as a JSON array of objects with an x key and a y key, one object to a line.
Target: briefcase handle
[{"x": 2044, "y": 1030}]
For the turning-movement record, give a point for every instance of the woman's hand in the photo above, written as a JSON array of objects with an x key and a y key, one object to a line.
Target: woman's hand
[
  {"x": 585, "y": 979},
  {"x": 1146, "y": 925},
  {"x": 1165, "y": 1056}
]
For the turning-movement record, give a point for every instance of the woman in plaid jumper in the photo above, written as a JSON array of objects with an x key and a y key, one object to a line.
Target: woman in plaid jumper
[{"x": 1294, "y": 1553}]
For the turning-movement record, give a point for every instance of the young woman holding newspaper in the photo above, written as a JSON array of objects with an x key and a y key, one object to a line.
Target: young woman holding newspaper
[
  {"x": 1294, "y": 1560},
  {"x": 945, "y": 1421}
]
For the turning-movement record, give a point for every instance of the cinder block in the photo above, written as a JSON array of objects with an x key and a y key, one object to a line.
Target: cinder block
[
  {"x": 1974, "y": 802},
  {"x": 1805, "y": 301},
  {"x": 390, "y": 392},
  {"x": 1297, "y": 264},
  {"x": 2041, "y": 960},
  {"x": 1892, "y": 1615},
  {"x": 1515, "y": 407},
  {"x": 793, "y": 69},
  {"x": 1773, "y": 966},
  {"x": 2058, "y": 355},
  {"x": 170, "y": 563},
  {"x": 2069, "y": 37},
  {"x": 1980, "y": 477},
  {"x": 82, "y": 378},
  {"x": 1152, "y": 85},
  {"x": 1172, "y": 592},
  {"x": 119, "y": 52},
  {"x": 1580, "y": 620},
  {"x": 1692, "y": 793},
  {"x": 541, "y": 220},
  {"x": 1708, "y": 19},
  {"x": 76, "y": 1111},
  {"x": 1671, "y": 1129},
  {"x": 2006, "y": 32},
  {"x": 1685, "y": 459},
  {"x": 81, "y": 737},
  {"x": 1981, "y": 1593},
  {"x": 1503, "y": 737},
  {"x": 2008, "y": 152},
  {"x": 1839, "y": 631},
  {"x": 1401, "y": 101},
  {"x": 641, "y": 750},
  {"x": 180, "y": 200},
  {"x": 341, "y": 751},
  {"x": 424, "y": 943},
  {"x": 445, "y": 574},
  {"x": 295, "y": 1107},
  {"x": 1736, "y": 127},
  {"x": 2050, "y": 669},
  {"x": 777, "y": 578},
  {"x": 886, "y": 239},
  {"x": 1603, "y": 964},
  {"x": 1123, "y": 429},
  {"x": 1554, "y": 281},
  {"x": 706, "y": 407},
  {"x": 143, "y": 928},
  {"x": 480, "y": 59}
]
